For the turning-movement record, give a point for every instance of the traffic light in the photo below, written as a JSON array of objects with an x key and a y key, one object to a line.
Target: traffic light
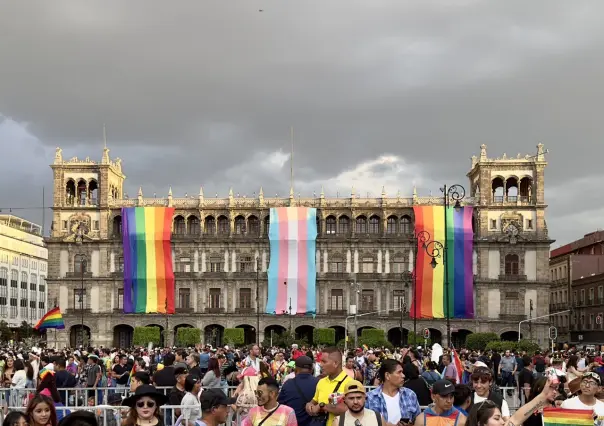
[
  {"x": 553, "y": 333},
  {"x": 426, "y": 333}
]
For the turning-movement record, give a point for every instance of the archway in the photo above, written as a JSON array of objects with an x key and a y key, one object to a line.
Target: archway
[
  {"x": 360, "y": 330},
  {"x": 213, "y": 335},
  {"x": 340, "y": 332},
  {"x": 510, "y": 336},
  {"x": 77, "y": 338},
  {"x": 122, "y": 336},
  {"x": 249, "y": 334},
  {"x": 459, "y": 336},
  {"x": 397, "y": 338},
  {"x": 305, "y": 332},
  {"x": 162, "y": 335},
  {"x": 272, "y": 332},
  {"x": 436, "y": 336},
  {"x": 178, "y": 327}
]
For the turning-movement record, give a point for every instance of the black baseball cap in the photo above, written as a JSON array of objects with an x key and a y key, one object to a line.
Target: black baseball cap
[
  {"x": 443, "y": 388},
  {"x": 304, "y": 362},
  {"x": 211, "y": 398}
]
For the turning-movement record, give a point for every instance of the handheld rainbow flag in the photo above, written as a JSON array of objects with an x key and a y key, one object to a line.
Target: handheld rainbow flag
[
  {"x": 52, "y": 319},
  {"x": 459, "y": 240},
  {"x": 292, "y": 271},
  {"x": 458, "y": 366},
  {"x": 566, "y": 417},
  {"x": 148, "y": 274}
]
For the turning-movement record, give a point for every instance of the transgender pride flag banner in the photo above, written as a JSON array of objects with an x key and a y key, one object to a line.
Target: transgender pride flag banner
[{"x": 292, "y": 271}]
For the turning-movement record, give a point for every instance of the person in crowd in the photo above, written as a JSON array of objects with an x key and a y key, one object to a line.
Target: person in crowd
[
  {"x": 415, "y": 359},
  {"x": 586, "y": 400},
  {"x": 393, "y": 401},
  {"x": 82, "y": 418},
  {"x": 431, "y": 375},
  {"x": 64, "y": 379},
  {"x": 166, "y": 377},
  {"x": 47, "y": 386},
  {"x": 371, "y": 368},
  {"x": 214, "y": 407},
  {"x": 449, "y": 369},
  {"x": 139, "y": 378},
  {"x": 41, "y": 411},
  {"x": 177, "y": 393},
  {"x": 246, "y": 391},
  {"x": 212, "y": 377},
  {"x": 357, "y": 412},
  {"x": 204, "y": 358},
  {"x": 442, "y": 412},
  {"x": 120, "y": 372},
  {"x": 536, "y": 417},
  {"x": 462, "y": 399},
  {"x": 526, "y": 378},
  {"x": 192, "y": 412},
  {"x": 269, "y": 412},
  {"x": 144, "y": 407},
  {"x": 278, "y": 367},
  {"x": 18, "y": 383},
  {"x": 487, "y": 413},
  {"x": 327, "y": 402},
  {"x": 15, "y": 418},
  {"x": 299, "y": 390},
  {"x": 180, "y": 359},
  {"x": 507, "y": 370},
  {"x": 253, "y": 359},
  {"x": 418, "y": 385},
  {"x": 192, "y": 361},
  {"x": 482, "y": 381},
  {"x": 94, "y": 375}
]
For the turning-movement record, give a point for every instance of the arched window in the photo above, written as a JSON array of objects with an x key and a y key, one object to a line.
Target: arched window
[
  {"x": 330, "y": 225},
  {"x": 223, "y": 225},
  {"x": 180, "y": 226},
  {"x": 70, "y": 193},
  {"x": 391, "y": 225},
  {"x": 497, "y": 190},
  {"x": 406, "y": 225},
  {"x": 511, "y": 264},
  {"x": 210, "y": 226},
  {"x": 361, "y": 225},
  {"x": 253, "y": 226},
  {"x": 267, "y": 224},
  {"x": 117, "y": 226},
  {"x": 374, "y": 225},
  {"x": 239, "y": 225},
  {"x": 344, "y": 225},
  {"x": 193, "y": 225}
]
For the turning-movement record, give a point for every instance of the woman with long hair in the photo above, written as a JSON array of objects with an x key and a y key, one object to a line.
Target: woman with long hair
[
  {"x": 19, "y": 383},
  {"x": 144, "y": 407},
  {"x": 15, "y": 418},
  {"x": 212, "y": 378},
  {"x": 41, "y": 411},
  {"x": 47, "y": 386},
  {"x": 246, "y": 391},
  {"x": 487, "y": 413}
]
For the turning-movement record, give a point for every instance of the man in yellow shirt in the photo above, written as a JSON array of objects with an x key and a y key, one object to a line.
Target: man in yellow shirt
[{"x": 328, "y": 400}]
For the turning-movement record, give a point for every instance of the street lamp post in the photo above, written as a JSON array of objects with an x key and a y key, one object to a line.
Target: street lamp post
[
  {"x": 422, "y": 237},
  {"x": 82, "y": 269},
  {"x": 356, "y": 288},
  {"x": 258, "y": 301}
]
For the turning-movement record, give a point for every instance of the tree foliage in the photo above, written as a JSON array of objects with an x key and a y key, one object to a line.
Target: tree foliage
[
  {"x": 324, "y": 336},
  {"x": 479, "y": 341},
  {"x": 144, "y": 335},
  {"x": 234, "y": 336},
  {"x": 188, "y": 336}
]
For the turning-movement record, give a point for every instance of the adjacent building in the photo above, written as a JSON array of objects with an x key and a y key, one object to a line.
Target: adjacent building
[
  {"x": 365, "y": 245},
  {"x": 23, "y": 271},
  {"x": 577, "y": 294}
]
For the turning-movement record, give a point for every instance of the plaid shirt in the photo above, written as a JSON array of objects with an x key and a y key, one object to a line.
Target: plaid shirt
[{"x": 407, "y": 401}]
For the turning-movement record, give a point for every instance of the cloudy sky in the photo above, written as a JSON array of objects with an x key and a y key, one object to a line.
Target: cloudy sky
[{"x": 379, "y": 92}]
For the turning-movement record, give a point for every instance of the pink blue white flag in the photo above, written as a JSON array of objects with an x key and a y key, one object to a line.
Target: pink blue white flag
[{"x": 292, "y": 271}]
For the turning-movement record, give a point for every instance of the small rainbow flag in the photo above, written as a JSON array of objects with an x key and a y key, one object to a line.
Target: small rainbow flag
[
  {"x": 52, "y": 319},
  {"x": 148, "y": 274},
  {"x": 458, "y": 259},
  {"x": 565, "y": 417}
]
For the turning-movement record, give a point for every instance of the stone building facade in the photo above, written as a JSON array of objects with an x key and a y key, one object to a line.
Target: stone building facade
[{"x": 365, "y": 245}]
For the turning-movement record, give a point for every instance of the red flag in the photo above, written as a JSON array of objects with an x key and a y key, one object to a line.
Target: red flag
[{"x": 458, "y": 366}]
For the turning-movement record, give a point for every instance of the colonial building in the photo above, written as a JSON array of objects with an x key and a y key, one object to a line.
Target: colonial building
[
  {"x": 23, "y": 269},
  {"x": 365, "y": 245}
]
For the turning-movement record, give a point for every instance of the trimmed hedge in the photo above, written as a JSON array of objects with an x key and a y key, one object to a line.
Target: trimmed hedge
[
  {"x": 523, "y": 345},
  {"x": 234, "y": 336},
  {"x": 187, "y": 336},
  {"x": 374, "y": 338},
  {"x": 418, "y": 340},
  {"x": 144, "y": 335},
  {"x": 479, "y": 341},
  {"x": 324, "y": 336}
]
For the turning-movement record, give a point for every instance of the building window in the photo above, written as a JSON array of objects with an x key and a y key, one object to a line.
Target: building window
[
  {"x": 330, "y": 225},
  {"x": 600, "y": 293},
  {"x": 214, "y": 298},
  {"x": 180, "y": 226},
  {"x": 391, "y": 225},
  {"x": 575, "y": 300},
  {"x": 367, "y": 265},
  {"x": 3, "y": 277},
  {"x": 245, "y": 264},
  {"x": 79, "y": 264},
  {"x": 591, "y": 294},
  {"x": 406, "y": 225},
  {"x": 223, "y": 226},
  {"x": 184, "y": 298},
  {"x": 399, "y": 265},
  {"x": 336, "y": 300},
  {"x": 184, "y": 265},
  {"x": 245, "y": 298},
  {"x": 120, "y": 264},
  {"x": 344, "y": 225},
  {"x": 210, "y": 226},
  {"x": 120, "y": 298},
  {"x": 582, "y": 296},
  {"x": 361, "y": 225},
  {"x": 253, "y": 226},
  {"x": 193, "y": 225},
  {"x": 511, "y": 264},
  {"x": 367, "y": 300},
  {"x": 95, "y": 225},
  {"x": 239, "y": 225},
  {"x": 267, "y": 225},
  {"x": 529, "y": 224},
  {"x": 374, "y": 225},
  {"x": 398, "y": 300},
  {"x": 14, "y": 278},
  {"x": 493, "y": 223},
  {"x": 24, "y": 280},
  {"x": 336, "y": 265},
  {"x": 79, "y": 299},
  {"x": 216, "y": 264}
]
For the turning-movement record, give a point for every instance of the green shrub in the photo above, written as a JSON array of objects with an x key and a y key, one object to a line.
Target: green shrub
[
  {"x": 374, "y": 338},
  {"x": 501, "y": 346},
  {"x": 528, "y": 346},
  {"x": 186, "y": 336},
  {"x": 479, "y": 341},
  {"x": 418, "y": 340},
  {"x": 144, "y": 335},
  {"x": 234, "y": 336},
  {"x": 324, "y": 336}
]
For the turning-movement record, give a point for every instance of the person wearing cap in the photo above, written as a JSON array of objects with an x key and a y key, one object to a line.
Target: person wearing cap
[
  {"x": 177, "y": 393},
  {"x": 214, "y": 407},
  {"x": 357, "y": 413},
  {"x": 442, "y": 412},
  {"x": 269, "y": 412},
  {"x": 591, "y": 384},
  {"x": 299, "y": 390}
]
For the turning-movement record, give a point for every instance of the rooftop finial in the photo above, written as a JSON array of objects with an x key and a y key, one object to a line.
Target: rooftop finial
[
  {"x": 170, "y": 192},
  {"x": 140, "y": 191},
  {"x": 483, "y": 152},
  {"x": 105, "y": 159},
  {"x": 383, "y": 192},
  {"x": 322, "y": 192},
  {"x": 201, "y": 191}
]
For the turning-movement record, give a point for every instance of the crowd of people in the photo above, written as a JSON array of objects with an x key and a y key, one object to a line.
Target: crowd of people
[{"x": 206, "y": 386}]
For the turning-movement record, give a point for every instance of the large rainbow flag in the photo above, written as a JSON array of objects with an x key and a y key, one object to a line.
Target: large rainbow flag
[
  {"x": 292, "y": 271},
  {"x": 52, "y": 319},
  {"x": 566, "y": 417},
  {"x": 148, "y": 274},
  {"x": 459, "y": 239}
]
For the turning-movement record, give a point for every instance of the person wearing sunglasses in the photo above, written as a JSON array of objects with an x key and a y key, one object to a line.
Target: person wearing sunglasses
[{"x": 144, "y": 407}]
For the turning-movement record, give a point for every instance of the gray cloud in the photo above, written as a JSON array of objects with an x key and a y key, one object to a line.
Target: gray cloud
[{"x": 201, "y": 93}]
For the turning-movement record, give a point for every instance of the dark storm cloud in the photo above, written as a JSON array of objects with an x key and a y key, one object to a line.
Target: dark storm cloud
[{"x": 202, "y": 92}]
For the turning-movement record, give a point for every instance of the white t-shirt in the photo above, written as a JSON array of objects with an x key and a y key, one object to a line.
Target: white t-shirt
[
  {"x": 505, "y": 409},
  {"x": 581, "y": 363},
  {"x": 393, "y": 407},
  {"x": 576, "y": 404},
  {"x": 19, "y": 379}
]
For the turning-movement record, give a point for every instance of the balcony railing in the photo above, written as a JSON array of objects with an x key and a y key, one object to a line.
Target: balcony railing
[
  {"x": 245, "y": 310},
  {"x": 187, "y": 310},
  {"x": 215, "y": 310},
  {"x": 512, "y": 277},
  {"x": 337, "y": 312},
  {"x": 512, "y": 317}
]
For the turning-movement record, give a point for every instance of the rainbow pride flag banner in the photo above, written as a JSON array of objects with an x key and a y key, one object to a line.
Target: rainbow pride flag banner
[
  {"x": 458, "y": 259},
  {"x": 52, "y": 319},
  {"x": 565, "y": 417},
  {"x": 292, "y": 271},
  {"x": 148, "y": 274}
]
